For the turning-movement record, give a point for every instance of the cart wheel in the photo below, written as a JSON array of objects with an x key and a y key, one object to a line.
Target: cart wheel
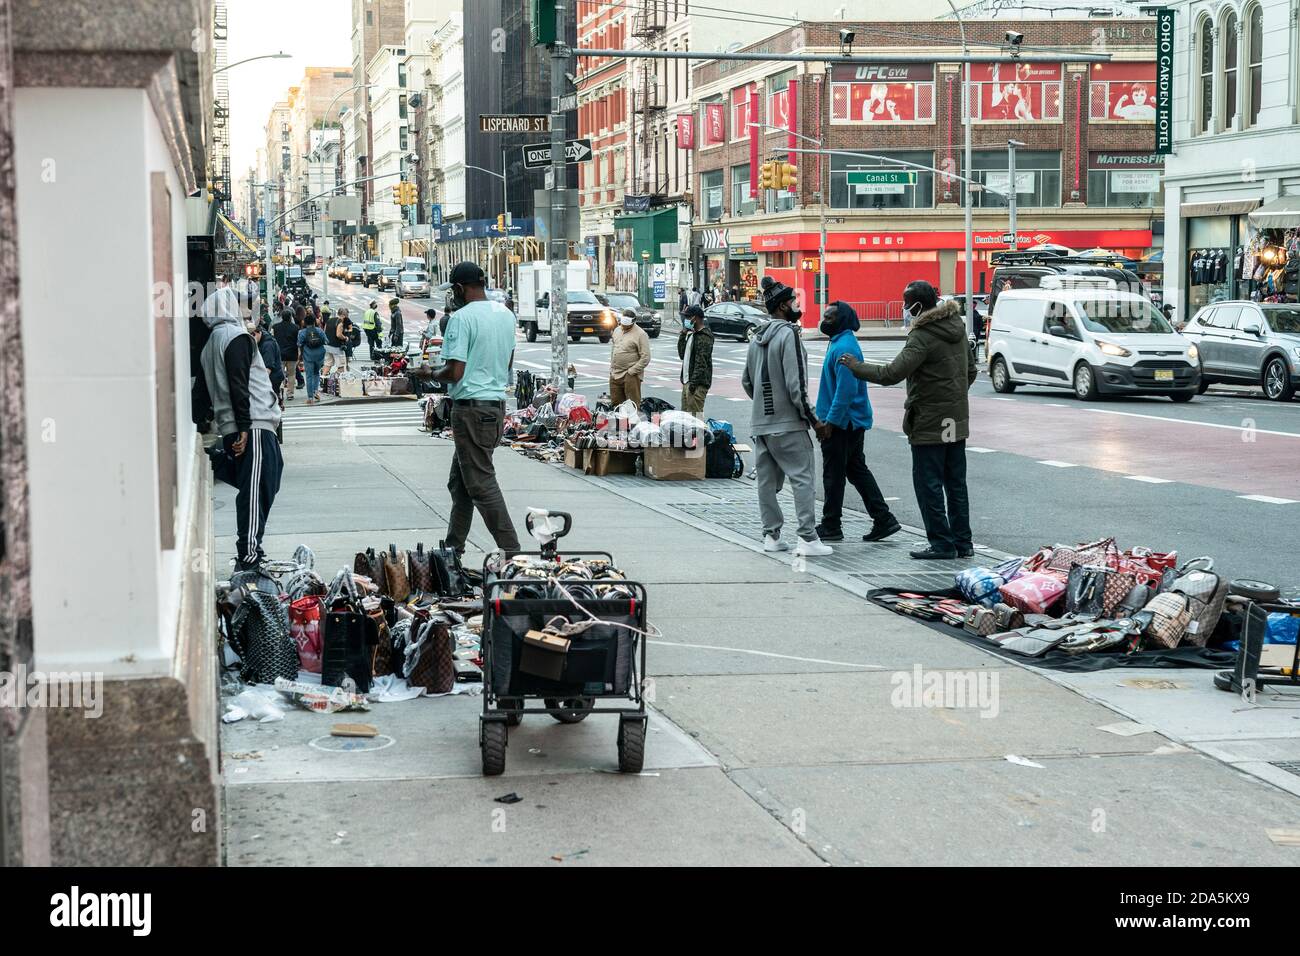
[
  {"x": 494, "y": 747},
  {"x": 504, "y": 703},
  {"x": 631, "y": 745},
  {"x": 578, "y": 709}
]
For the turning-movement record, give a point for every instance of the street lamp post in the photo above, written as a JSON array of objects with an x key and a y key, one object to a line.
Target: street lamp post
[
  {"x": 505, "y": 195},
  {"x": 966, "y": 185},
  {"x": 1012, "y": 144},
  {"x": 265, "y": 56}
]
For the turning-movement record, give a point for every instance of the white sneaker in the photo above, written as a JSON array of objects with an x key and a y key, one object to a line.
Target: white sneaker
[
  {"x": 814, "y": 548},
  {"x": 774, "y": 544}
]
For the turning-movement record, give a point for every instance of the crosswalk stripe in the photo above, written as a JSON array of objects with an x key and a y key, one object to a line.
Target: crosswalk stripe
[{"x": 1268, "y": 499}]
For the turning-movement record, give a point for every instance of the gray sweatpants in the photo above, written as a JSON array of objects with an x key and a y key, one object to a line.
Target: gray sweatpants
[{"x": 778, "y": 457}]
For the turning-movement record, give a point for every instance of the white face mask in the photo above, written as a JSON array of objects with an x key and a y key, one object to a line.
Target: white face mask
[{"x": 625, "y": 321}]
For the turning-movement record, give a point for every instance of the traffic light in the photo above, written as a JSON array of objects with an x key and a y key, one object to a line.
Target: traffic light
[
  {"x": 767, "y": 176},
  {"x": 501, "y": 223},
  {"x": 411, "y": 197},
  {"x": 789, "y": 177}
]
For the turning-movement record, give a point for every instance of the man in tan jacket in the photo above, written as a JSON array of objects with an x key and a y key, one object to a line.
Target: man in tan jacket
[{"x": 629, "y": 356}]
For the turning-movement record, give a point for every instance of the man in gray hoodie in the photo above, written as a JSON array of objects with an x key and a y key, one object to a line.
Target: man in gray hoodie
[
  {"x": 776, "y": 378},
  {"x": 247, "y": 414}
]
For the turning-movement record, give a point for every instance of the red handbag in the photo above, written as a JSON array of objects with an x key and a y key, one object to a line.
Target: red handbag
[
  {"x": 1034, "y": 592},
  {"x": 306, "y": 631}
]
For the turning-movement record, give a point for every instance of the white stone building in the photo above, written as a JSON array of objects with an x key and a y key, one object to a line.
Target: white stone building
[{"x": 1233, "y": 181}]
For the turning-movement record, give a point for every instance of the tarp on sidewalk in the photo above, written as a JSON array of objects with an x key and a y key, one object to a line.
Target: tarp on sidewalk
[{"x": 1207, "y": 658}]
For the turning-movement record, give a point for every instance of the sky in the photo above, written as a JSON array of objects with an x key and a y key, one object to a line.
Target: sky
[{"x": 313, "y": 32}]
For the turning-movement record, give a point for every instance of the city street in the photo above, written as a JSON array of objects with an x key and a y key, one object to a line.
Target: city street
[{"x": 1214, "y": 476}]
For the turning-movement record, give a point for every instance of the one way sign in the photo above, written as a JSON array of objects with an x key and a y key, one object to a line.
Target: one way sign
[{"x": 575, "y": 151}]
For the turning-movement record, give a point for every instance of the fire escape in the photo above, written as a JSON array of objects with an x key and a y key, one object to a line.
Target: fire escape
[{"x": 648, "y": 99}]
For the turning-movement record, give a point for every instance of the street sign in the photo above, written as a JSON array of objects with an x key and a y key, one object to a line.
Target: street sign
[
  {"x": 881, "y": 177},
  {"x": 435, "y": 214},
  {"x": 261, "y": 228},
  {"x": 659, "y": 280},
  {"x": 1164, "y": 81},
  {"x": 563, "y": 104},
  {"x": 514, "y": 123},
  {"x": 575, "y": 151}
]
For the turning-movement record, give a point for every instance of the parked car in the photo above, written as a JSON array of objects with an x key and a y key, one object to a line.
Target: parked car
[
  {"x": 412, "y": 283},
  {"x": 356, "y": 272},
  {"x": 372, "y": 272},
  {"x": 734, "y": 319},
  {"x": 388, "y": 278},
  {"x": 1096, "y": 341},
  {"x": 1249, "y": 343},
  {"x": 626, "y": 303}
]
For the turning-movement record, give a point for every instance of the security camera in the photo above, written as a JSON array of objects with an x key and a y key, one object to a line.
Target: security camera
[
  {"x": 847, "y": 36},
  {"x": 1014, "y": 38}
]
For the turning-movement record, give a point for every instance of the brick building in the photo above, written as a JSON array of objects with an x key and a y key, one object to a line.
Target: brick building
[{"x": 1086, "y": 176}]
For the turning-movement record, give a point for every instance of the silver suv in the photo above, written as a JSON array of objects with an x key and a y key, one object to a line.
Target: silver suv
[{"x": 1249, "y": 343}]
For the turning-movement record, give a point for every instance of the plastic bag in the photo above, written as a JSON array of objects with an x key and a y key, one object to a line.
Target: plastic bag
[
  {"x": 645, "y": 435},
  {"x": 259, "y": 704},
  {"x": 628, "y": 411},
  {"x": 569, "y": 401},
  {"x": 718, "y": 425},
  {"x": 1282, "y": 628}
]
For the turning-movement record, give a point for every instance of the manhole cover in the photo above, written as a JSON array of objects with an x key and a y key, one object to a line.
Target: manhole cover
[
  {"x": 352, "y": 744},
  {"x": 1290, "y": 766}
]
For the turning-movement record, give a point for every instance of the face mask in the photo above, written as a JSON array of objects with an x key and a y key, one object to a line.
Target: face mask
[
  {"x": 915, "y": 309},
  {"x": 795, "y": 314},
  {"x": 625, "y": 321},
  {"x": 828, "y": 326}
]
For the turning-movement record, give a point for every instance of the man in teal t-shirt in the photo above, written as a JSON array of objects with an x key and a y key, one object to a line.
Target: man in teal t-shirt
[{"x": 478, "y": 349}]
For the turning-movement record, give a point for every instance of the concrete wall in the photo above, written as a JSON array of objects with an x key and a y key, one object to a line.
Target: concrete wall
[{"x": 104, "y": 593}]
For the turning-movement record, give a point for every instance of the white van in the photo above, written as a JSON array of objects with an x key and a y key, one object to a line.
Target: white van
[{"x": 1090, "y": 338}]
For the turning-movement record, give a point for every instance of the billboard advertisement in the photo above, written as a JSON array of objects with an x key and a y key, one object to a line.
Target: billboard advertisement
[
  {"x": 1016, "y": 93},
  {"x": 1122, "y": 92},
  {"x": 882, "y": 93}
]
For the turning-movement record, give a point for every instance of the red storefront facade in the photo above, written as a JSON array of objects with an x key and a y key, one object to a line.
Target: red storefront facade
[{"x": 873, "y": 267}]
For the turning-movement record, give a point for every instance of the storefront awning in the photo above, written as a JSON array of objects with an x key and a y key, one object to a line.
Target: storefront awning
[
  {"x": 1278, "y": 214},
  {"x": 1228, "y": 207}
]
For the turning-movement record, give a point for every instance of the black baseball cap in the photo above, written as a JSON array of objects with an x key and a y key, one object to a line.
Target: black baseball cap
[
  {"x": 694, "y": 311},
  {"x": 467, "y": 273}
]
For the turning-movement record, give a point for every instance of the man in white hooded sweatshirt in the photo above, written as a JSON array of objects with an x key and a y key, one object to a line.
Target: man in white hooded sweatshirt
[{"x": 247, "y": 414}]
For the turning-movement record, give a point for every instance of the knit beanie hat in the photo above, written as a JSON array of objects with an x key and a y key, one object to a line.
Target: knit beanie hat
[{"x": 774, "y": 293}]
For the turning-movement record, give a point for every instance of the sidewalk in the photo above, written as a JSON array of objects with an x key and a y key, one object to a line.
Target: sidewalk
[{"x": 778, "y": 734}]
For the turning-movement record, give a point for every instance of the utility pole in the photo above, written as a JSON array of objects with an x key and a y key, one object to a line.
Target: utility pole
[
  {"x": 1011, "y": 192},
  {"x": 270, "y": 223},
  {"x": 559, "y": 251}
]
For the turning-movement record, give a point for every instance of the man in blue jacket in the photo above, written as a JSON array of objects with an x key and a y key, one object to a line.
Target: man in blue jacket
[{"x": 845, "y": 412}]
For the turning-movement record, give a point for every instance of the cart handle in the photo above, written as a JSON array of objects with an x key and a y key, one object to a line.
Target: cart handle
[{"x": 568, "y": 522}]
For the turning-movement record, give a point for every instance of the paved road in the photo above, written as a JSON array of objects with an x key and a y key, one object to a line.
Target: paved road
[{"x": 1215, "y": 476}]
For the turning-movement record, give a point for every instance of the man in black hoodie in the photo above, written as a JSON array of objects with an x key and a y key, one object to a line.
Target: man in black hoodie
[
  {"x": 286, "y": 337},
  {"x": 938, "y": 363}
]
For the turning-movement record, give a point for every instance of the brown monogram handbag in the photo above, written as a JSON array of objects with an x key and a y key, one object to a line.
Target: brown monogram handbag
[
  {"x": 396, "y": 583},
  {"x": 421, "y": 573},
  {"x": 429, "y": 659},
  {"x": 368, "y": 564}
]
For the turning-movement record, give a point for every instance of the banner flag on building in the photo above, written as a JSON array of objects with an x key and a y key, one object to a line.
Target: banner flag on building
[
  {"x": 714, "y": 132},
  {"x": 751, "y": 120},
  {"x": 685, "y": 130},
  {"x": 792, "y": 114}
]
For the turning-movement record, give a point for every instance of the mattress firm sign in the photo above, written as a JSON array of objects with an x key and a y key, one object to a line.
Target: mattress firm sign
[{"x": 1164, "y": 81}]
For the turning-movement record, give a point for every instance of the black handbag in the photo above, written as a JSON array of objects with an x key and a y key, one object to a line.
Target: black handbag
[
  {"x": 259, "y": 634},
  {"x": 349, "y": 636},
  {"x": 1085, "y": 590},
  {"x": 449, "y": 578}
]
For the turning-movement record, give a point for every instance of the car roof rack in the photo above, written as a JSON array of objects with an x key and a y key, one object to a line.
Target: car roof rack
[{"x": 1050, "y": 258}]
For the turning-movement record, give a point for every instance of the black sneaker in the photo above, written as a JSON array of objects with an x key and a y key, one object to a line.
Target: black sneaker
[
  {"x": 929, "y": 554},
  {"x": 826, "y": 534},
  {"x": 879, "y": 532},
  {"x": 965, "y": 552}
]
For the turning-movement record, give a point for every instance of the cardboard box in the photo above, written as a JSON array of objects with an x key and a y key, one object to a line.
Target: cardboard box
[
  {"x": 574, "y": 457},
  {"x": 603, "y": 461},
  {"x": 544, "y": 655},
  {"x": 675, "y": 464}
]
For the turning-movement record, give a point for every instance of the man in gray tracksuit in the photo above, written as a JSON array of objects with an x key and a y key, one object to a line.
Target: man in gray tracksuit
[
  {"x": 247, "y": 414},
  {"x": 776, "y": 378}
]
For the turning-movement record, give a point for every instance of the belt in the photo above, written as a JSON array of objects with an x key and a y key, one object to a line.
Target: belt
[{"x": 478, "y": 403}]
